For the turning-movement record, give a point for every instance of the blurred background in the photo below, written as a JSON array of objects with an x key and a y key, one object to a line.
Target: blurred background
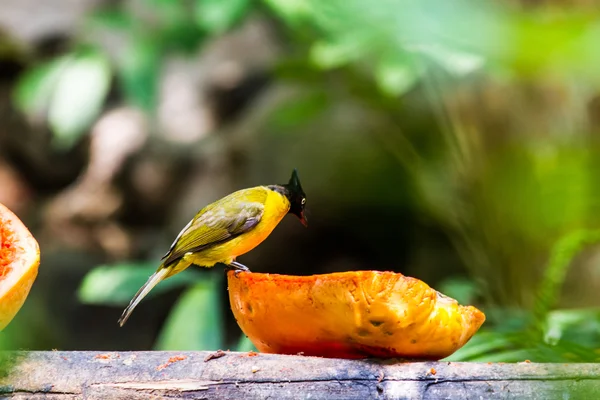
[{"x": 455, "y": 142}]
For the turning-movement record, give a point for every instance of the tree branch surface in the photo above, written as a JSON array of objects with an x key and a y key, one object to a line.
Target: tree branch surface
[{"x": 230, "y": 375}]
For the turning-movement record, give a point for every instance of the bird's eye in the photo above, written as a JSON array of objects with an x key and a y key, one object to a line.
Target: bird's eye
[{"x": 303, "y": 201}]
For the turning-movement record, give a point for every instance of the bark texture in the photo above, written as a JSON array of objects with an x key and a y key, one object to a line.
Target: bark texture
[{"x": 229, "y": 375}]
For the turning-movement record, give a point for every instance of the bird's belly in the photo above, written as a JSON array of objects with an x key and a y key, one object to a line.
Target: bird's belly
[{"x": 228, "y": 251}]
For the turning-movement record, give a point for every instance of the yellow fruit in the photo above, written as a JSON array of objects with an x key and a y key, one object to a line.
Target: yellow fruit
[
  {"x": 350, "y": 315},
  {"x": 19, "y": 261}
]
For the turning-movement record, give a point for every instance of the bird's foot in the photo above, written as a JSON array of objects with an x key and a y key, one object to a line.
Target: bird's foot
[{"x": 237, "y": 267}]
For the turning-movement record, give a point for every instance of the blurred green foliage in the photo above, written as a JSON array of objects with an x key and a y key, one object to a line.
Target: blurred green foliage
[
  {"x": 509, "y": 201},
  {"x": 195, "y": 323},
  {"x": 541, "y": 334},
  {"x": 396, "y": 42},
  {"x": 116, "y": 284},
  {"x": 196, "y": 320},
  {"x": 71, "y": 89}
]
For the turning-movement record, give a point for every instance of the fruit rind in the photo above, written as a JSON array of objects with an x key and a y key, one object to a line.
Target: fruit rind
[
  {"x": 350, "y": 315},
  {"x": 16, "y": 284}
]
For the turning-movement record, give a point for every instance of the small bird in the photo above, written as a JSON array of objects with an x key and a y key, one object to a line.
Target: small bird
[{"x": 226, "y": 229}]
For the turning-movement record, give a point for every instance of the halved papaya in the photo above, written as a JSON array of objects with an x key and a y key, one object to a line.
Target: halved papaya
[
  {"x": 19, "y": 261},
  {"x": 355, "y": 314}
]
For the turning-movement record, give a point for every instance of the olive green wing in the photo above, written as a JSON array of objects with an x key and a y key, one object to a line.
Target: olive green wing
[{"x": 215, "y": 224}]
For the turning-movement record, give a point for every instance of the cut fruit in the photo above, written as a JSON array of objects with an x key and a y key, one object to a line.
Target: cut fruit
[
  {"x": 19, "y": 261},
  {"x": 350, "y": 315}
]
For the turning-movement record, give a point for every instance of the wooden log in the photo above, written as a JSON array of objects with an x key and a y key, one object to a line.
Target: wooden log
[{"x": 143, "y": 375}]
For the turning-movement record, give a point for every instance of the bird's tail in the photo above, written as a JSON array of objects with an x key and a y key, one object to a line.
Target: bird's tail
[{"x": 144, "y": 290}]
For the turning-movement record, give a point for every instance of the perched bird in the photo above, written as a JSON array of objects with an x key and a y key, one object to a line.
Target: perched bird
[{"x": 225, "y": 229}]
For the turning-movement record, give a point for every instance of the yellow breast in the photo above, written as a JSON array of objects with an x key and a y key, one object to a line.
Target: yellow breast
[{"x": 276, "y": 207}]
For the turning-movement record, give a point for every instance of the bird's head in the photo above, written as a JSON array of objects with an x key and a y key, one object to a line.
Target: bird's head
[{"x": 296, "y": 196}]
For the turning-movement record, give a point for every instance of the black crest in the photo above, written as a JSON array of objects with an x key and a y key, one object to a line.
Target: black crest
[{"x": 296, "y": 196}]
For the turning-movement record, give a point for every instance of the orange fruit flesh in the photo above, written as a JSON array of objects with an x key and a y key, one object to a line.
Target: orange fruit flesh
[
  {"x": 7, "y": 249},
  {"x": 355, "y": 314},
  {"x": 19, "y": 261}
]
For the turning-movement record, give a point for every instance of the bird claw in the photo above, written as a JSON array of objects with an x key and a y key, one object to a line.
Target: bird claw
[{"x": 237, "y": 268}]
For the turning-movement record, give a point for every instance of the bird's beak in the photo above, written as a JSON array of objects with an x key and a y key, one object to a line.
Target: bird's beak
[{"x": 303, "y": 219}]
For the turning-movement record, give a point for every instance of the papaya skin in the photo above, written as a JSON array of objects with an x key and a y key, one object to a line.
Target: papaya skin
[
  {"x": 20, "y": 262},
  {"x": 353, "y": 315}
]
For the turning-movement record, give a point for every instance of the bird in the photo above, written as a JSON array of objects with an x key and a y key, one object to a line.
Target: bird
[{"x": 226, "y": 229}]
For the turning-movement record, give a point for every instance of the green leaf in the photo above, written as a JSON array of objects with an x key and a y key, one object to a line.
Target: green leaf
[
  {"x": 452, "y": 60},
  {"x": 196, "y": 322},
  {"x": 218, "y": 16},
  {"x": 482, "y": 344},
  {"x": 78, "y": 97},
  {"x": 35, "y": 87},
  {"x": 184, "y": 37},
  {"x": 507, "y": 356},
  {"x": 580, "y": 326},
  {"x": 396, "y": 75},
  {"x": 461, "y": 289},
  {"x": 292, "y": 12},
  {"x": 335, "y": 54},
  {"x": 139, "y": 70},
  {"x": 116, "y": 285},
  {"x": 563, "y": 253}
]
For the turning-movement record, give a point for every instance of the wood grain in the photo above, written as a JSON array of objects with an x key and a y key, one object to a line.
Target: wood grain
[{"x": 186, "y": 375}]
